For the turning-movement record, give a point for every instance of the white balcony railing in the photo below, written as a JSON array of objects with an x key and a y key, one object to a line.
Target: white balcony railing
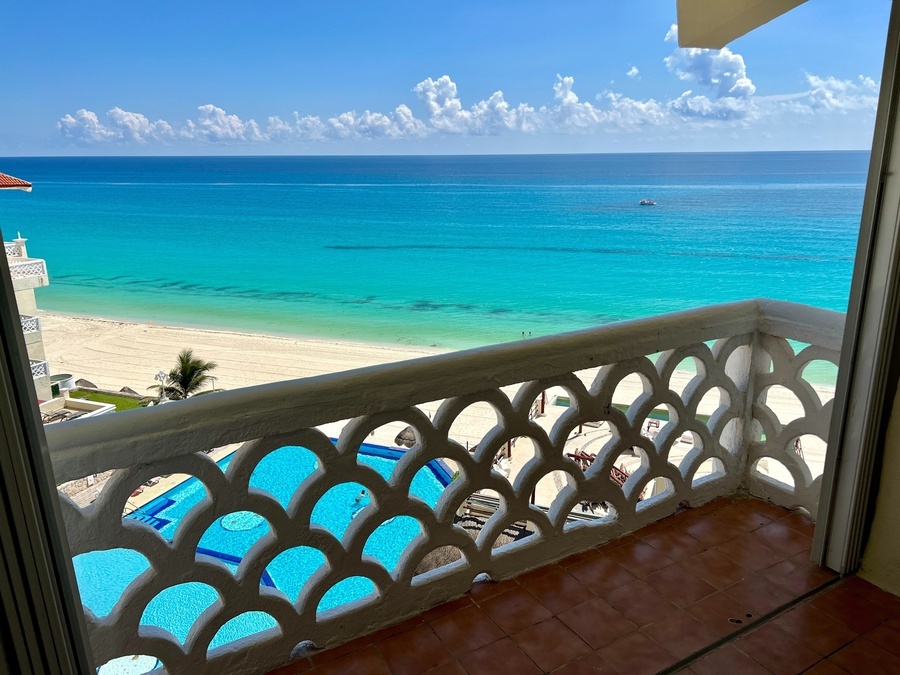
[
  {"x": 39, "y": 368},
  {"x": 616, "y": 374},
  {"x": 31, "y": 267},
  {"x": 12, "y": 249},
  {"x": 30, "y": 324}
]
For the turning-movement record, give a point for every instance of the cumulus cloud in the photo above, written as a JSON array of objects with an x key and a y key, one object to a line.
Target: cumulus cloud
[
  {"x": 120, "y": 125},
  {"x": 214, "y": 124},
  {"x": 630, "y": 114},
  {"x": 702, "y": 107},
  {"x": 722, "y": 95},
  {"x": 721, "y": 70},
  {"x": 829, "y": 93},
  {"x": 570, "y": 113},
  {"x": 445, "y": 111}
]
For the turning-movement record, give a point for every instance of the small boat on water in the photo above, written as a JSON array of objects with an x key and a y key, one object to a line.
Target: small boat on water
[{"x": 648, "y": 202}]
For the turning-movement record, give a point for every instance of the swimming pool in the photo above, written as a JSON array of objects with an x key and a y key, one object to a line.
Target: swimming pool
[{"x": 104, "y": 575}]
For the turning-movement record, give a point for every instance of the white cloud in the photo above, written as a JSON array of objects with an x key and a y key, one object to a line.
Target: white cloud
[
  {"x": 829, "y": 93},
  {"x": 214, "y": 125},
  {"x": 718, "y": 69},
  {"x": 723, "y": 96},
  {"x": 570, "y": 113},
  {"x": 85, "y": 127},
  {"x": 629, "y": 114},
  {"x": 399, "y": 124},
  {"x": 702, "y": 107},
  {"x": 305, "y": 128},
  {"x": 445, "y": 111}
]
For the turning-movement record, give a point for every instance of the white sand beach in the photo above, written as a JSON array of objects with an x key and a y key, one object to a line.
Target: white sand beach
[{"x": 115, "y": 354}]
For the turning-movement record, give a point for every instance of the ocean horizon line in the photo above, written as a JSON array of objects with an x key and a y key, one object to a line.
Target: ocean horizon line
[{"x": 461, "y": 155}]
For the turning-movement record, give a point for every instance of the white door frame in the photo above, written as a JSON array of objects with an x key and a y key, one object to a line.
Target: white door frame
[{"x": 867, "y": 380}]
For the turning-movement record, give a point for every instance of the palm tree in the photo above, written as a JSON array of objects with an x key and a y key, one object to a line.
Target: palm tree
[{"x": 186, "y": 378}]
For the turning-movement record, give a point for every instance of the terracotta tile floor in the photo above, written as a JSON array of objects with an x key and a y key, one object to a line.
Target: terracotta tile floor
[{"x": 709, "y": 590}]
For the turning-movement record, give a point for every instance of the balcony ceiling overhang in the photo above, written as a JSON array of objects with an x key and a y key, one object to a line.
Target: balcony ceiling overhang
[
  {"x": 715, "y": 23},
  {"x": 12, "y": 183}
]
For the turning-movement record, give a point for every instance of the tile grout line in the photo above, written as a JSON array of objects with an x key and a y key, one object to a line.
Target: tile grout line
[{"x": 764, "y": 619}]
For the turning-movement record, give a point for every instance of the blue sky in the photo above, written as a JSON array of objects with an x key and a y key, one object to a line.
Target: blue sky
[{"x": 294, "y": 77}]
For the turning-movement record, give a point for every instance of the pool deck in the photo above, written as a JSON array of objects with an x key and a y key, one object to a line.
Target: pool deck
[{"x": 472, "y": 425}]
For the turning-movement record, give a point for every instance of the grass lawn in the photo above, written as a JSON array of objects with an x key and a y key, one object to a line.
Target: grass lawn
[{"x": 121, "y": 402}]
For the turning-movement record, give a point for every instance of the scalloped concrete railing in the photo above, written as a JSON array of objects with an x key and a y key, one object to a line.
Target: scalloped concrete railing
[{"x": 731, "y": 425}]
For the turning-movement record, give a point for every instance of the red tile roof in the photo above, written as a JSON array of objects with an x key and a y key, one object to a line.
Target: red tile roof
[{"x": 12, "y": 183}]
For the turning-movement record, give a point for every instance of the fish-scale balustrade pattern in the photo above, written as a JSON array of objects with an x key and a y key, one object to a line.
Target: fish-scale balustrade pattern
[
  {"x": 776, "y": 439},
  {"x": 726, "y": 445}
]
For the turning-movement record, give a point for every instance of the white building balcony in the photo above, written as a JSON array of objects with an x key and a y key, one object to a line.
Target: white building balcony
[
  {"x": 62, "y": 409},
  {"x": 13, "y": 249},
  {"x": 583, "y": 473},
  {"x": 32, "y": 331},
  {"x": 30, "y": 324},
  {"x": 28, "y": 273},
  {"x": 39, "y": 368}
]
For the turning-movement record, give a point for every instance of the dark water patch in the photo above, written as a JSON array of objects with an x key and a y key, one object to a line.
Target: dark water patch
[
  {"x": 426, "y": 306},
  {"x": 430, "y": 306},
  {"x": 359, "y": 301},
  {"x": 794, "y": 257}
]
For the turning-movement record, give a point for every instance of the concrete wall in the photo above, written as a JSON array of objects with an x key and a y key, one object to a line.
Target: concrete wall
[
  {"x": 26, "y": 302},
  {"x": 881, "y": 560},
  {"x": 34, "y": 343}
]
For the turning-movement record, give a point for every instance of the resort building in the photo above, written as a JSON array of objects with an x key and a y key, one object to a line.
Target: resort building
[
  {"x": 726, "y": 548},
  {"x": 27, "y": 274}
]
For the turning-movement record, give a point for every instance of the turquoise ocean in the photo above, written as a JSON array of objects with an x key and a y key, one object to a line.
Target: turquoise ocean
[{"x": 447, "y": 251}]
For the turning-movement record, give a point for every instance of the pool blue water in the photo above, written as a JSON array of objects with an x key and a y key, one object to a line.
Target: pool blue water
[{"x": 104, "y": 575}]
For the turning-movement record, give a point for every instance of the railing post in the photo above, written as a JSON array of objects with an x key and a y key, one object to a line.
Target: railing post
[
  {"x": 20, "y": 242},
  {"x": 744, "y": 367},
  {"x": 761, "y": 362}
]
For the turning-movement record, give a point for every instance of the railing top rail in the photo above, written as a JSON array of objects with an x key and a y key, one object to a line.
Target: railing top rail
[
  {"x": 182, "y": 427},
  {"x": 803, "y": 323}
]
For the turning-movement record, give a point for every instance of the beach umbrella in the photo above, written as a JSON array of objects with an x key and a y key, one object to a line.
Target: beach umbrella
[
  {"x": 13, "y": 183},
  {"x": 406, "y": 437},
  {"x": 713, "y": 23}
]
